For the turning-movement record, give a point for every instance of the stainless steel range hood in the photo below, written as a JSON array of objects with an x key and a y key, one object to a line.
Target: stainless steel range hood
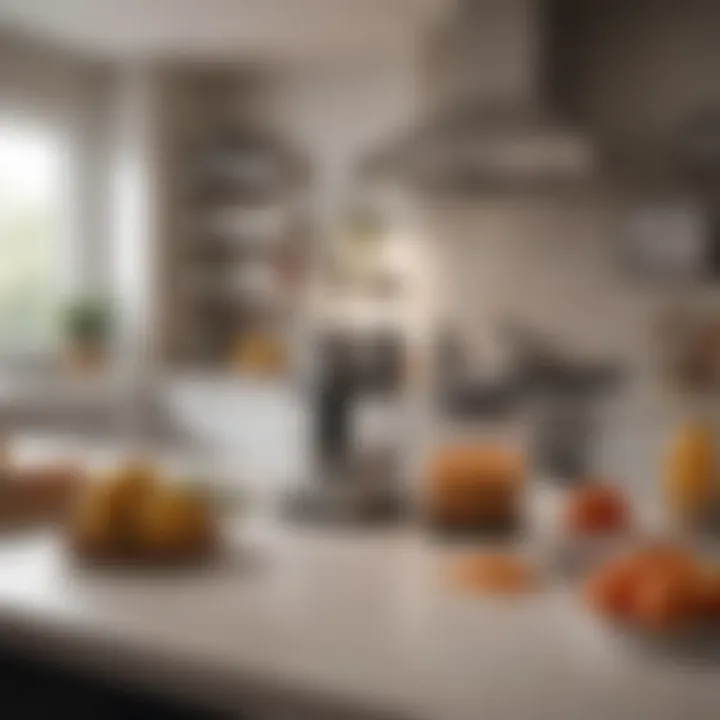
[{"x": 489, "y": 124}]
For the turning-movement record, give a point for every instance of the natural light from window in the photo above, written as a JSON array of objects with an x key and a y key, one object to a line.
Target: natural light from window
[{"x": 33, "y": 230}]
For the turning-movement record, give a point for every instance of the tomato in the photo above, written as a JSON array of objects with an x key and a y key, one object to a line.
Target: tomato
[{"x": 596, "y": 509}]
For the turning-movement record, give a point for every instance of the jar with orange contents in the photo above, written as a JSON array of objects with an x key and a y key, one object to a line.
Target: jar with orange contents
[{"x": 475, "y": 488}]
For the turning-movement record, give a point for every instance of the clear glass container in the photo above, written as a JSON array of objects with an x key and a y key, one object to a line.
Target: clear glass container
[{"x": 474, "y": 471}]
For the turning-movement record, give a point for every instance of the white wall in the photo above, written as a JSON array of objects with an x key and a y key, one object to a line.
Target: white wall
[
  {"x": 337, "y": 111},
  {"x": 554, "y": 264},
  {"x": 551, "y": 263}
]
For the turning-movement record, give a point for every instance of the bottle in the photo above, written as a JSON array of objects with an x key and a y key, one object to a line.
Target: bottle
[{"x": 690, "y": 475}]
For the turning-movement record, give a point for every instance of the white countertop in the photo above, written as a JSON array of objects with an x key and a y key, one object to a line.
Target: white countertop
[{"x": 340, "y": 621}]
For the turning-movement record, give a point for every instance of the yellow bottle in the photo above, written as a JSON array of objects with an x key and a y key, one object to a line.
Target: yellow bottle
[{"x": 691, "y": 474}]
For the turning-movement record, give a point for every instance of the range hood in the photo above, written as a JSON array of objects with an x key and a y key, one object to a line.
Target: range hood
[{"x": 488, "y": 123}]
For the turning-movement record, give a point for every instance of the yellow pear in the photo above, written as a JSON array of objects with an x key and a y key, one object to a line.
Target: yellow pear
[
  {"x": 691, "y": 473},
  {"x": 132, "y": 482},
  {"x": 98, "y": 525},
  {"x": 173, "y": 521}
]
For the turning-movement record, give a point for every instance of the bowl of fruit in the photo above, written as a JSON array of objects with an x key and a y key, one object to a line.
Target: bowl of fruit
[
  {"x": 134, "y": 516},
  {"x": 661, "y": 595}
]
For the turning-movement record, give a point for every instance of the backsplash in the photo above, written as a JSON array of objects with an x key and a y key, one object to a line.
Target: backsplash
[
  {"x": 553, "y": 264},
  {"x": 547, "y": 263}
]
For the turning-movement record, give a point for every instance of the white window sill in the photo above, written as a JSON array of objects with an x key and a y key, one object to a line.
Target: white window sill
[
  {"x": 51, "y": 398},
  {"x": 45, "y": 379}
]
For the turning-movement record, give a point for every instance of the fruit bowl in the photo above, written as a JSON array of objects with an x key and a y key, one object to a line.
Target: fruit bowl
[
  {"x": 199, "y": 553},
  {"x": 136, "y": 518},
  {"x": 697, "y": 642},
  {"x": 659, "y": 597}
]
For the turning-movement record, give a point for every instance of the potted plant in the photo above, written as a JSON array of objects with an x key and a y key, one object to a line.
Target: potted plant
[{"x": 87, "y": 326}]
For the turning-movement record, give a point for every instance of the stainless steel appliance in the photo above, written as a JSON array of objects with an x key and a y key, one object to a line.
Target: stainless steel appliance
[{"x": 350, "y": 484}]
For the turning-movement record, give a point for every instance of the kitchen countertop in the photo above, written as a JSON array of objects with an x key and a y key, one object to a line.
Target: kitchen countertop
[{"x": 340, "y": 625}]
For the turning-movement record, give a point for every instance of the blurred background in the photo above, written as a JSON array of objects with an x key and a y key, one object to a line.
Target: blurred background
[
  {"x": 287, "y": 249},
  {"x": 191, "y": 197}
]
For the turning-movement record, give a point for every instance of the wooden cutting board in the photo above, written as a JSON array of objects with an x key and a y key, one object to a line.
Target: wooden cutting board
[{"x": 37, "y": 495}]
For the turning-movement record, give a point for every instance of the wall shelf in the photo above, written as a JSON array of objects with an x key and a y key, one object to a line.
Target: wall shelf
[{"x": 242, "y": 229}]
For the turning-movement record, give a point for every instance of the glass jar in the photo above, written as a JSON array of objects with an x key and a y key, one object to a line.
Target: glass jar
[{"x": 473, "y": 474}]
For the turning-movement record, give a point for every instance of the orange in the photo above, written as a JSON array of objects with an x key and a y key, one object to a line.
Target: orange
[
  {"x": 663, "y": 600},
  {"x": 610, "y": 590}
]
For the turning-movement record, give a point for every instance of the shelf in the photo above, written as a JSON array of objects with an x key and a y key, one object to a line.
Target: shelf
[
  {"x": 229, "y": 220},
  {"x": 240, "y": 201}
]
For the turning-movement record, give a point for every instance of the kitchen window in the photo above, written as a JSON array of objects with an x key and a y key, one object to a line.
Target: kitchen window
[{"x": 34, "y": 235}]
